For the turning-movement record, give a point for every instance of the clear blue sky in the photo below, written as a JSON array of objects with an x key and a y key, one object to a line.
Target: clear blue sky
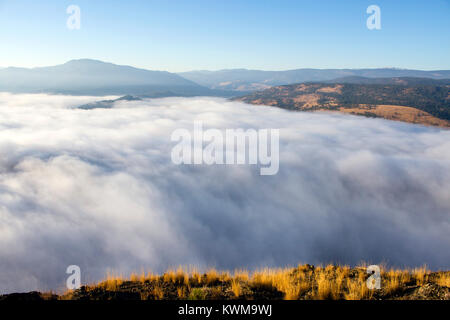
[{"x": 177, "y": 35}]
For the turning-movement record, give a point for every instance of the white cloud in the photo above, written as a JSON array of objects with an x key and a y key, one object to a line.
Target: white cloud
[{"x": 98, "y": 189}]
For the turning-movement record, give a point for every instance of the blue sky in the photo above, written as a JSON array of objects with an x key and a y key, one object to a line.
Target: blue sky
[{"x": 177, "y": 35}]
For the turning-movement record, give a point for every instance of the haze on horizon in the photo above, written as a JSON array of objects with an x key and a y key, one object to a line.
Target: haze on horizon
[
  {"x": 179, "y": 36},
  {"x": 209, "y": 70}
]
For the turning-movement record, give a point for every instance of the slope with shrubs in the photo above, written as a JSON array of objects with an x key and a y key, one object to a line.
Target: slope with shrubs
[
  {"x": 304, "y": 282},
  {"x": 416, "y": 103}
]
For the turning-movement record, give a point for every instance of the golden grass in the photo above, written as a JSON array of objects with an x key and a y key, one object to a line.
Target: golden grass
[
  {"x": 236, "y": 287},
  {"x": 158, "y": 293},
  {"x": 443, "y": 279},
  {"x": 112, "y": 282},
  {"x": 421, "y": 275},
  {"x": 301, "y": 282},
  {"x": 399, "y": 113}
]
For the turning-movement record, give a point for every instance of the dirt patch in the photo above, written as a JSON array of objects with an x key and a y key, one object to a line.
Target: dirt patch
[{"x": 336, "y": 89}]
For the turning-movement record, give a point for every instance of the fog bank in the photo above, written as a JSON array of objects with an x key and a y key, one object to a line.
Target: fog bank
[{"x": 97, "y": 188}]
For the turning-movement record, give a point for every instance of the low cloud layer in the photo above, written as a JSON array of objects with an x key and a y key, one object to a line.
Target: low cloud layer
[{"x": 97, "y": 188}]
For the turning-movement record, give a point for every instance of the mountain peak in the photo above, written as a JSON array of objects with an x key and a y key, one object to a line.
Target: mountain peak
[
  {"x": 95, "y": 77},
  {"x": 86, "y": 61}
]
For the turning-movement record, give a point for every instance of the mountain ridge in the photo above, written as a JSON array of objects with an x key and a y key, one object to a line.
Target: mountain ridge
[
  {"x": 95, "y": 77},
  {"x": 254, "y": 80}
]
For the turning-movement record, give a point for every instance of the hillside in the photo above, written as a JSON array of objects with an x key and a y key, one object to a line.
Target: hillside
[
  {"x": 402, "y": 81},
  {"x": 418, "y": 103},
  {"x": 107, "y": 104},
  {"x": 254, "y": 80},
  {"x": 93, "y": 77},
  {"x": 304, "y": 282}
]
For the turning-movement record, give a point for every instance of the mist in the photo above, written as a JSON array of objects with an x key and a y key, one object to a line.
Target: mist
[{"x": 97, "y": 188}]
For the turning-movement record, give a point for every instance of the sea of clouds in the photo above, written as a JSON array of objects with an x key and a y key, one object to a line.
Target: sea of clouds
[{"x": 97, "y": 189}]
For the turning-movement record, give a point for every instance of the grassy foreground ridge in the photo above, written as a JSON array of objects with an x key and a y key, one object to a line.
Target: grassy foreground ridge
[{"x": 304, "y": 282}]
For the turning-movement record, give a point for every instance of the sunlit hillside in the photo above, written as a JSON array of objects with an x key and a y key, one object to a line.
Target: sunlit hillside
[{"x": 304, "y": 282}]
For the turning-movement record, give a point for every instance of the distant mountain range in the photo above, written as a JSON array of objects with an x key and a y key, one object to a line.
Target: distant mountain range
[
  {"x": 254, "y": 80},
  {"x": 408, "y": 95},
  {"x": 424, "y": 101},
  {"x": 93, "y": 77}
]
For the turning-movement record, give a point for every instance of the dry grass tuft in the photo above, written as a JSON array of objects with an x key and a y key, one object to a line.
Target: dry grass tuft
[
  {"x": 443, "y": 279},
  {"x": 236, "y": 288}
]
